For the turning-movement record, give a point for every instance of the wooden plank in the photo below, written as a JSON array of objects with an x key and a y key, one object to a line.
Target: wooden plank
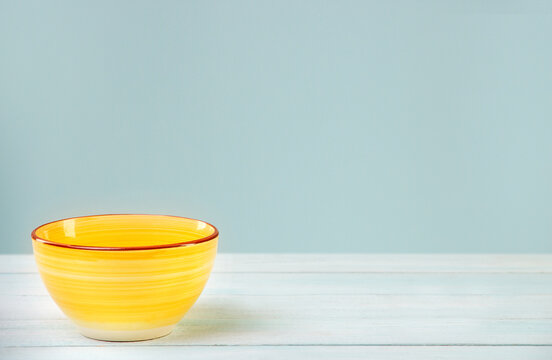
[
  {"x": 349, "y": 263},
  {"x": 242, "y": 320},
  {"x": 274, "y": 284},
  {"x": 17, "y": 263},
  {"x": 384, "y": 263},
  {"x": 282, "y": 352},
  {"x": 345, "y": 308},
  {"x": 287, "y": 331}
]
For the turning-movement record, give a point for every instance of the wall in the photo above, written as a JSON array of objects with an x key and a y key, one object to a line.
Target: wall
[{"x": 294, "y": 126}]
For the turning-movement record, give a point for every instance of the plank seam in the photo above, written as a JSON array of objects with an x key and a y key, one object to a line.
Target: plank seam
[{"x": 104, "y": 344}]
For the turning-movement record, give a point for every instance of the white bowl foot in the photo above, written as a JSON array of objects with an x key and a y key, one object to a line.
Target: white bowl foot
[{"x": 126, "y": 335}]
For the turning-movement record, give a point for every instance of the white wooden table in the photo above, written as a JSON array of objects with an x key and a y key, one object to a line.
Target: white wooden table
[{"x": 317, "y": 306}]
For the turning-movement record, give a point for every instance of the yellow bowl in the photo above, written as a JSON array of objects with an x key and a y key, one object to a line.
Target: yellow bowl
[{"x": 125, "y": 277}]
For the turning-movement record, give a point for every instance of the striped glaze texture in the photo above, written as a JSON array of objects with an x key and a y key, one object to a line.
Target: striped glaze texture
[{"x": 97, "y": 274}]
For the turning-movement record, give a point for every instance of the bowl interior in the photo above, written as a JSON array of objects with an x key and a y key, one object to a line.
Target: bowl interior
[{"x": 114, "y": 231}]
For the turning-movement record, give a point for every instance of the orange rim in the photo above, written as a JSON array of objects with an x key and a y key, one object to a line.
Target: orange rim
[{"x": 130, "y": 248}]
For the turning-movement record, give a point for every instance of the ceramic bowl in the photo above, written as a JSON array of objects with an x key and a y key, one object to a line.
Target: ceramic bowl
[{"x": 125, "y": 277}]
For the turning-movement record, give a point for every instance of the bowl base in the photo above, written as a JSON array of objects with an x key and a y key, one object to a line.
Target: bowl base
[{"x": 126, "y": 335}]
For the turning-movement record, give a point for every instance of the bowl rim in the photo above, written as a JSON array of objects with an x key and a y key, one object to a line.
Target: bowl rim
[{"x": 36, "y": 238}]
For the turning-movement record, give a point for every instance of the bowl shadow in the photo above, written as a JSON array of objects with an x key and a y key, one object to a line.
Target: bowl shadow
[{"x": 216, "y": 320}]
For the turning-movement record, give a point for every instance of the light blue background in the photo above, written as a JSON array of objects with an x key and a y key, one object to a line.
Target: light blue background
[{"x": 294, "y": 126}]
